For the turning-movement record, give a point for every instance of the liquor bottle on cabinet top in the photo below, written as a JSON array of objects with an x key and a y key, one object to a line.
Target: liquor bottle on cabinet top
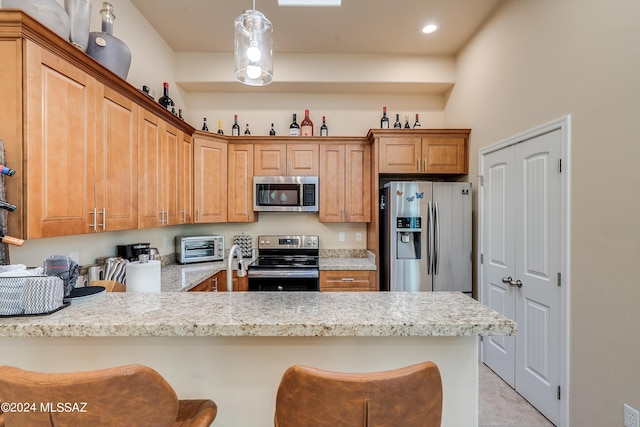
[
  {"x": 306, "y": 126},
  {"x": 397, "y": 124},
  {"x": 294, "y": 128},
  {"x": 220, "y": 131},
  {"x": 384, "y": 121},
  {"x": 246, "y": 130},
  {"x": 272, "y": 131},
  {"x": 417, "y": 125},
  {"x": 165, "y": 100},
  {"x": 406, "y": 122},
  {"x": 180, "y": 114},
  {"x": 235, "y": 129},
  {"x": 204, "y": 125},
  {"x": 324, "y": 130}
]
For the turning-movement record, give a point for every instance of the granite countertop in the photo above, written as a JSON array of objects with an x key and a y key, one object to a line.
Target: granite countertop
[{"x": 266, "y": 314}]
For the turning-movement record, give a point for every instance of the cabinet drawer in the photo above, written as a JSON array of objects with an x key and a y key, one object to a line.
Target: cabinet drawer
[{"x": 346, "y": 281}]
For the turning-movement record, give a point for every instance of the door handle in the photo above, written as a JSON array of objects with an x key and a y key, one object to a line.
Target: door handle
[
  {"x": 94, "y": 224},
  {"x": 104, "y": 219},
  {"x": 511, "y": 282}
]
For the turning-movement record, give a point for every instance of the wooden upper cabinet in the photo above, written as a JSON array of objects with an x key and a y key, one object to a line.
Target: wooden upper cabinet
[
  {"x": 60, "y": 150},
  {"x": 150, "y": 169},
  {"x": 400, "y": 155},
  {"x": 210, "y": 178},
  {"x": 285, "y": 159},
  {"x": 116, "y": 168},
  {"x": 345, "y": 183},
  {"x": 240, "y": 183},
  {"x": 424, "y": 151}
]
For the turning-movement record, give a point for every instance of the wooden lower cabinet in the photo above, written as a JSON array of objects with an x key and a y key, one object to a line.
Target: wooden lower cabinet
[
  {"x": 347, "y": 281},
  {"x": 218, "y": 283}
]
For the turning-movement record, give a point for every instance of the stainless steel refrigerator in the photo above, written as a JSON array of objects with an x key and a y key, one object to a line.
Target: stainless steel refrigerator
[{"x": 425, "y": 236}]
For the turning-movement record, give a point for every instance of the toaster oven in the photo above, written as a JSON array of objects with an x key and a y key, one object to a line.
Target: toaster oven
[{"x": 199, "y": 248}]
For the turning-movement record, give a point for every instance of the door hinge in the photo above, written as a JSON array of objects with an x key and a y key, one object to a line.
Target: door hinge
[
  {"x": 481, "y": 258},
  {"x": 558, "y": 392},
  {"x": 481, "y": 338},
  {"x": 559, "y": 279},
  {"x": 481, "y": 180},
  {"x": 560, "y": 165}
]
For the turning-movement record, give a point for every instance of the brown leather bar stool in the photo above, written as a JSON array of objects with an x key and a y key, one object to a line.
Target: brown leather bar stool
[
  {"x": 405, "y": 397},
  {"x": 131, "y": 395}
]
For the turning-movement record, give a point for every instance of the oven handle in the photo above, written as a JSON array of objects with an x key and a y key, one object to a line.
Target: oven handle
[{"x": 293, "y": 273}]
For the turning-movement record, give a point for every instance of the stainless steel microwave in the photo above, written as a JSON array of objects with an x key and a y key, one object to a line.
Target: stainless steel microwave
[
  {"x": 285, "y": 193},
  {"x": 199, "y": 248}
]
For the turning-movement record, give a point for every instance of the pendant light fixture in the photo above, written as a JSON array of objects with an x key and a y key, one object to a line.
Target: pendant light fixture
[{"x": 253, "y": 48}]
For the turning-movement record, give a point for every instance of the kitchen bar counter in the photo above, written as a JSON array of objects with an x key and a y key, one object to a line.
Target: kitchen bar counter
[
  {"x": 234, "y": 347},
  {"x": 267, "y": 314}
]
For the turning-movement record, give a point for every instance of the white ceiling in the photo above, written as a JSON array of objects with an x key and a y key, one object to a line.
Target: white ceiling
[{"x": 358, "y": 26}]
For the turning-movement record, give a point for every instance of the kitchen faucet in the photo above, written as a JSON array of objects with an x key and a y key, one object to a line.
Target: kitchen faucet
[{"x": 235, "y": 249}]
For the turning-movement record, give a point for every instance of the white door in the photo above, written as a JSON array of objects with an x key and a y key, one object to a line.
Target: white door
[
  {"x": 522, "y": 258},
  {"x": 499, "y": 255}
]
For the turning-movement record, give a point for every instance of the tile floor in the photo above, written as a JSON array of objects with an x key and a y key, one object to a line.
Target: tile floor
[{"x": 501, "y": 406}]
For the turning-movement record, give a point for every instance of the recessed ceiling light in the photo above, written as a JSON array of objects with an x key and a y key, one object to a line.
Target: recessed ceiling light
[
  {"x": 430, "y": 28},
  {"x": 309, "y": 2}
]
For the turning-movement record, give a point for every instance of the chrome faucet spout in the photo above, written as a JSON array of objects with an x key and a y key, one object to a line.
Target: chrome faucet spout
[{"x": 235, "y": 250}]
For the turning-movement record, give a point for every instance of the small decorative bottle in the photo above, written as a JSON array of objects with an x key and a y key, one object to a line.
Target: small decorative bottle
[
  {"x": 272, "y": 131},
  {"x": 108, "y": 50},
  {"x": 246, "y": 130},
  {"x": 204, "y": 125},
  {"x": 220, "y": 131},
  {"x": 324, "y": 130}
]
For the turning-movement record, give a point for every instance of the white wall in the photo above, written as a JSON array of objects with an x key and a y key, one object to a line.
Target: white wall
[{"x": 537, "y": 60}]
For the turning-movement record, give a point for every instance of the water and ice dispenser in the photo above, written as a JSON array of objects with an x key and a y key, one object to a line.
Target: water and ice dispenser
[{"x": 408, "y": 237}]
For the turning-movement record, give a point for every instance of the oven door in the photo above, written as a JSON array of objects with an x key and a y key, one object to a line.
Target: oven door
[{"x": 284, "y": 280}]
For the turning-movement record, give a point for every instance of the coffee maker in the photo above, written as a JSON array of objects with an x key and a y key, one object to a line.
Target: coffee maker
[{"x": 131, "y": 252}]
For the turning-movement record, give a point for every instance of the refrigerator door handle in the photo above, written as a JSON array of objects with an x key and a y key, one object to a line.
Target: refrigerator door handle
[
  {"x": 429, "y": 237},
  {"x": 436, "y": 239}
]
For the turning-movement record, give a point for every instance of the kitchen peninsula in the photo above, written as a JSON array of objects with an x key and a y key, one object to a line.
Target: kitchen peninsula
[{"x": 234, "y": 347}]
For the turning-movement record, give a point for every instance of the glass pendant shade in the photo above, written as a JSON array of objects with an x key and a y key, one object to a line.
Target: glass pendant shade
[{"x": 253, "y": 49}]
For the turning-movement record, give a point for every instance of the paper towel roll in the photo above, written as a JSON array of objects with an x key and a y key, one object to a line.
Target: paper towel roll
[{"x": 143, "y": 277}]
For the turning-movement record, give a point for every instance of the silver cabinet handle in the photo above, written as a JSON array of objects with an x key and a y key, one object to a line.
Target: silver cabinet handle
[
  {"x": 197, "y": 215},
  {"x": 424, "y": 169},
  {"x": 214, "y": 287},
  {"x": 348, "y": 279},
  {"x": 184, "y": 216},
  {"x": 103, "y": 212},
  {"x": 419, "y": 170},
  {"x": 94, "y": 223}
]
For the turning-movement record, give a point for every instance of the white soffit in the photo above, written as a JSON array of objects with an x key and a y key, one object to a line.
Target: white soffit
[{"x": 309, "y": 2}]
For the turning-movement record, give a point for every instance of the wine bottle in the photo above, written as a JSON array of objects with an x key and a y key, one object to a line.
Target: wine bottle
[
  {"x": 294, "y": 128},
  {"x": 204, "y": 125},
  {"x": 272, "y": 132},
  {"x": 306, "y": 126},
  {"x": 397, "y": 124},
  {"x": 417, "y": 125},
  {"x": 246, "y": 130},
  {"x": 384, "y": 121},
  {"x": 235, "y": 129},
  {"x": 220, "y": 131},
  {"x": 406, "y": 122},
  {"x": 5, "y": 170},
  {"x": 324, "y": 130},
  {"x": 165, "y": 100},
  {"x": 8, "y": 206},
  {"x": 180, "y": 114}
]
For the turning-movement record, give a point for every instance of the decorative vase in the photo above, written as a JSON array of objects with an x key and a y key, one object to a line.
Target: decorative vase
[
  {"x": 108, "y": 50},
  {"x": 79, "y": 12},
  {"x": 48, "y": 12}
]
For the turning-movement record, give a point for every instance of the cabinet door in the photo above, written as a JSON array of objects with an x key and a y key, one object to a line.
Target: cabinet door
[
  {"x": 332, "y": 183},
  {"x": 302, "y": 159},
  {"x": 346, "y": 281},
  {"x": 270, "y": 159},
  {"x": 204, "y": 286},
  {"x": 357, "y": 189},
  {"x": 240, "y": 183},
  {"x": 185, "y": 179},
  {"x": 210, "y": 180},
  {"x": 400, "y": 155},
  {"x": 171, "y": 144},
  {"x": 116, "y": 171},
  {"x": 150, "y": 170},
  {"x": 59, "y": 151},
  {"x": 444, "y": 155}
]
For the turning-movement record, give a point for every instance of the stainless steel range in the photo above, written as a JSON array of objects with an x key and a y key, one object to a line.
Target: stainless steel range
[{"x": 285, "y": 263}]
